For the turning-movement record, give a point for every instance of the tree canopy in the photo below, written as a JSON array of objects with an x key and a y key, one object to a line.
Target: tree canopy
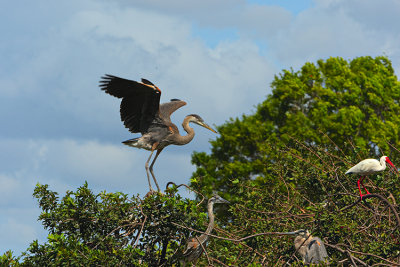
[
  {"x": 110, "y": 229},
  {"x": 334, "y": 103}
]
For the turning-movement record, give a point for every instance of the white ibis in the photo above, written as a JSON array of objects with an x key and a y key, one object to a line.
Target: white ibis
[{"x": 368, "y": 167}]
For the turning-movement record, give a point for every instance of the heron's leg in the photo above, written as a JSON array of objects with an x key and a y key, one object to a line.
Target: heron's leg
[
  {"x": 147, "y": 170},
  {"x": 151, "y": 167}
]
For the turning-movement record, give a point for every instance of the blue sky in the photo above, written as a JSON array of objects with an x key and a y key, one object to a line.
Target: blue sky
[{"x": 59, "y": 128}]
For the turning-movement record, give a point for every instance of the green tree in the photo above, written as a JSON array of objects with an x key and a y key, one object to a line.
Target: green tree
[
  {"x": 308, "y": 190},
  {"x": 110, "y": 229},
  {"x": 284, "y": 165},
  {"x": 334, "y": 103}
]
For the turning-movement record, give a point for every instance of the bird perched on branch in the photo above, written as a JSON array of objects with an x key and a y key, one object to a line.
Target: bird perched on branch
[
  {"x": 310, "y": 248},
  {"x": 142, "y": 113},
  {"x": 368, "y": 167},
  {"x": 195, "y": 245}
]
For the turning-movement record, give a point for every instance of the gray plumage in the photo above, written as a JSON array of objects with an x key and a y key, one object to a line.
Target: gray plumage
[
  {"x": 310, "y": 248},
  {"x": 194, "y": 247},
  {"x": 141, "y": 112}
]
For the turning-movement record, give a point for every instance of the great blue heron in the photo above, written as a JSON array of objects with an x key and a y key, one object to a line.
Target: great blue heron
[
  {"x": 194, "y": 247},
  {"x": 310, "y": 248},
  {"x": 142, "y": 113}
]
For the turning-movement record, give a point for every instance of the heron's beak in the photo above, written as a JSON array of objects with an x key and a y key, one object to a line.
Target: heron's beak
[
  {"x": 225, "y": 201},
  {"x": 288, "y": 233},
  {"x": 292, "y": 233},
  {"x": 208, "y": 127}
]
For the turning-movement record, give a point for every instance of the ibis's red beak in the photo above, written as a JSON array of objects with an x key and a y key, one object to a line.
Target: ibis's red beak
[{"x": 391, "y": 164}]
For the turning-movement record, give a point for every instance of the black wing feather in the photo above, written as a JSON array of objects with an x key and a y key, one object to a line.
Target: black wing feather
[{"x": 140, "y": 101}]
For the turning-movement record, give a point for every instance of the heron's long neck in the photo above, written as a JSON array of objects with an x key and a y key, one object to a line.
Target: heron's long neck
[
  {"x": 184, "y": 139},
  {"x": 211, "y": 218},
  {"x": 300, "y": 244},
  {"x": 302, "y": 241}
]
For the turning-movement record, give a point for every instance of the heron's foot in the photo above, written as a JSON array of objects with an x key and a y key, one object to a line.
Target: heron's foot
[
  {"x": 153, "y": 192},
  {"x": 150, "y": 193},
  {"x": 158, "y": 189}
]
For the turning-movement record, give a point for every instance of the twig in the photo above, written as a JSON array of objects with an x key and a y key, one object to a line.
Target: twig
[
  {"x": 244, "y": 244},
  {"x": 119, "y": 227},
  {"x": 264, "y": 212},
  {"x": 204, "y": 249},
  {"x": 230, "y": 239},
  {"x": 376, "y": 256},
  {"x": 361, "y": 253},
  {"x": 188, "y": 187},
  {"x": 351, "y": 258},
  {"x": 220, "y": 262},
  {"x": 141, "y": 229},
  {"x": 383, "y": 199},
  {"x": 345, "y": 252},
  {"x": 333, "y": 144}
]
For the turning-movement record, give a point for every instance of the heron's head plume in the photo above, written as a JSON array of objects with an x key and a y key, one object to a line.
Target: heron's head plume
[
  {"x": 303, "y": 233},
  {"x": 300, "y": 232},
  {"x": 195, "y": 118},
  {"x": 217, "y": 199},
  {"x": 199, "y": 121}
]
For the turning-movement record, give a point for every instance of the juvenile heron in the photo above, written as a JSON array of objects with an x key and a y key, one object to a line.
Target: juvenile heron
[
  {"x": 368, "y": 167},
  {"x": 142, "y": 113},
  {"x": 310, "y": 248},
  {"x": 194, "y": 247}
]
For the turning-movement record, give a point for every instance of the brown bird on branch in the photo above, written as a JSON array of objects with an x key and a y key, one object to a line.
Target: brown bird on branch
[{"x": 195, "y": 245}]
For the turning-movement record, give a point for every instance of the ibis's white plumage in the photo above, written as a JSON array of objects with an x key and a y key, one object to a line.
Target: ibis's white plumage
[{"x": 369, "y": 166}]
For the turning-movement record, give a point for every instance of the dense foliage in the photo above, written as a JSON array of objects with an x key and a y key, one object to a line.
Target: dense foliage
[
  {"x": 285, "y": 163},
  {"x": 282, "y": 168},
  {"x": 351, "y": 104},
  {"x": 110, "y": 229},
  {"x": 310, "y": 191}
]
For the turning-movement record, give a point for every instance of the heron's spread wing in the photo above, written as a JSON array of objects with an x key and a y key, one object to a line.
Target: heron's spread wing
[
  {"x": 140, "y": 101},
  {"x": 166, "y": 109}
]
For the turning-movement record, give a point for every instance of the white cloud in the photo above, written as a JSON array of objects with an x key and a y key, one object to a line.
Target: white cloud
[
  {"x": 8, "y": 187},
  {"x": 62, "y": 96},
  {"x": 339, "y": 28},
  {"x": 19, "y": 230},
  {"x": 19, "y": 213}
]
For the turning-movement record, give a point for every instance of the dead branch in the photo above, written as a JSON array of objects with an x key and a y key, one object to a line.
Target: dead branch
[
  {"x": 381, "y": 198},
  {"x": 188, "y": 187},
  {"x": 347, "y": 252}
]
